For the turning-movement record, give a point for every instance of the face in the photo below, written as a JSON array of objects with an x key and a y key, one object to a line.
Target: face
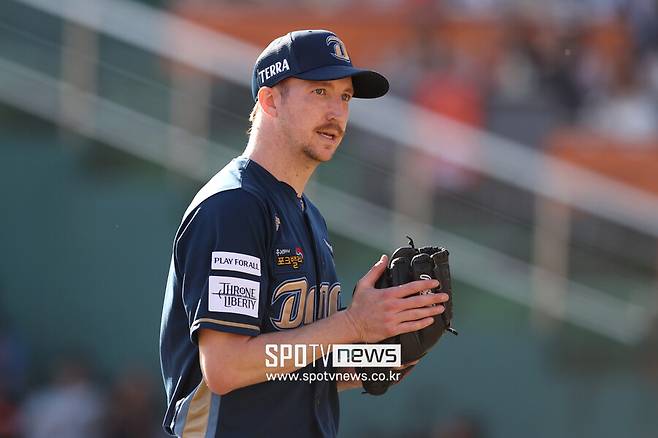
[{"x": 313, "y": 115}]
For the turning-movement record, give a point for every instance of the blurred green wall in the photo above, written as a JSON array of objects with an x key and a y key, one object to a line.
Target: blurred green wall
[{"x": 87, "y": 234}]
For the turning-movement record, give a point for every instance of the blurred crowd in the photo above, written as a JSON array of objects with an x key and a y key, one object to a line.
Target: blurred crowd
[
  {"x": 592, "y": 63},
  {"x": 531, "y": 72},
  {"x": 72, "y": 401},
  {"x": 588, "y": 63}
]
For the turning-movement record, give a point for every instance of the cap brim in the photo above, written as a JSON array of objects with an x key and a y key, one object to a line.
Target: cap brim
[{"x": 367, "y": 84}]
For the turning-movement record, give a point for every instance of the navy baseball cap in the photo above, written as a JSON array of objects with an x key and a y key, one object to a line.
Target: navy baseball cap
[{"x": 313, "y": 55}]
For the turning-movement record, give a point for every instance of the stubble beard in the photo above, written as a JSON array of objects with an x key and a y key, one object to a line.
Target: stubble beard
[
  {"x": 306, "y": 147},
  {"x": 317, "y": 154},
  {"x": 312, "y": 154}
]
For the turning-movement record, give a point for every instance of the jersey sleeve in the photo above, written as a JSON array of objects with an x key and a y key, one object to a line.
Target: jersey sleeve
[{"x": 221, "y": 255}]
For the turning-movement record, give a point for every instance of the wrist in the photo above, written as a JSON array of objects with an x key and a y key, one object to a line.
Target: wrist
[{"x": 356, "y": 332}]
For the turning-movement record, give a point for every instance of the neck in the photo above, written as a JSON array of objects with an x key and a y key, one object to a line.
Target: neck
[{"x": 287, "y": 165}]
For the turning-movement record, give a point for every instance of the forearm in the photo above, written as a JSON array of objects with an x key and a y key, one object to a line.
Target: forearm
[{"x": 243, "y": 362}]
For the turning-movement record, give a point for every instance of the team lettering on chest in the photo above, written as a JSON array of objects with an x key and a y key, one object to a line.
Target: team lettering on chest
[{"x": 294, "y": 303}]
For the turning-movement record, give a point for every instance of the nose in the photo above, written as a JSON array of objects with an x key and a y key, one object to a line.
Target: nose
[{"x": 338, "y": 111}]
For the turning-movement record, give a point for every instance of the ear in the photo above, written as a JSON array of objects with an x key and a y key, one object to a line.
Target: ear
[{"x": 268, "y": 98}]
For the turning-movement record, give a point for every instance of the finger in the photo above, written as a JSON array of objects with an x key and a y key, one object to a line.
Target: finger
[
  {"x": 413, "y": 287},
  {"x": 420, "y": 301},
  {"x": 375, "y": 272},
  {"x": 416, "y": 314},
  {"x": 413, "y": 326}
]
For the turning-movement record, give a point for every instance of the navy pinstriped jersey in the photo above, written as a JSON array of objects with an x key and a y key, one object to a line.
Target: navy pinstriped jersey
[{"x": 249, "y": 257}]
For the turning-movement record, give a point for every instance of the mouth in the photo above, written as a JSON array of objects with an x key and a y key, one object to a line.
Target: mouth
[{"x": 329, "y": 135}]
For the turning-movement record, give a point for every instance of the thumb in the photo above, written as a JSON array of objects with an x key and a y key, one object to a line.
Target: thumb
[{"x": 375, "y": 272}]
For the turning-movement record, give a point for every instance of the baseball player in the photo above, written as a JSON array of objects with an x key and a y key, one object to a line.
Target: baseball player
[{"x": 253, "y": 265}]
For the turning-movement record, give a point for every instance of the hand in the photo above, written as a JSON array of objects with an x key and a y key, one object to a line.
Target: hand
[{"x": 377, "y": 314}]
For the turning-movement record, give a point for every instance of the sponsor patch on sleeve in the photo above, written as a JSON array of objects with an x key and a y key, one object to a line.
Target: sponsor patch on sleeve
[
  {"x": 233, "y": 295},
  {"x": 234, "y": 261}
]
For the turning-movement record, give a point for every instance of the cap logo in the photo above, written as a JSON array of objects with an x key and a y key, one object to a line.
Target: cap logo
[
  {"x": 338, "y": 49},
  {"x": 273, "y": 70}
]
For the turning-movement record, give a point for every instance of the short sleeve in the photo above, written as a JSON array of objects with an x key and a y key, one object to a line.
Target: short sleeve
[{"x": 221, "y": 255}]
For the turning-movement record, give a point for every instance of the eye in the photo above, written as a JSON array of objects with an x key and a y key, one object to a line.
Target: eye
[
  {"x": 320, "y": 91},
  {"x": 347, "y": 97}
]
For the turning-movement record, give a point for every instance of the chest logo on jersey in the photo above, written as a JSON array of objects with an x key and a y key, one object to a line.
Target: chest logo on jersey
[
  {"x": 289, "y": 257},
  {"x": 294, "y": 302},
  {"x": 234, "y": 261}
]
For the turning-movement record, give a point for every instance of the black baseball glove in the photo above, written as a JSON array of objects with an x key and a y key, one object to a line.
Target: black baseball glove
[{"x": 409, "y": 264}]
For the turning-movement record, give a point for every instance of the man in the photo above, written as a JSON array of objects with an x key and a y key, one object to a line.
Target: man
[{"x": 252, "y": 263}]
